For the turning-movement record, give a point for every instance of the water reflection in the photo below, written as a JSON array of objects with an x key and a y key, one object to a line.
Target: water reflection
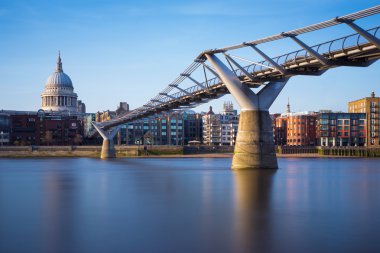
[
  {"x": 252, "y": 210},
  {"x": 188, "y": 205},
  {"x": 58, "y": 227}
]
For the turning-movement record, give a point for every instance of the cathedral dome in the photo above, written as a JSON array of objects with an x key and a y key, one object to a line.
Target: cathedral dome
[
  {"x": 59, "y": 94},
  {"x": 58, "y": 78}
]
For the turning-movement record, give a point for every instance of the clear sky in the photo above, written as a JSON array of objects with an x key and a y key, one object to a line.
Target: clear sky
[{"x": 130, "y": 50}]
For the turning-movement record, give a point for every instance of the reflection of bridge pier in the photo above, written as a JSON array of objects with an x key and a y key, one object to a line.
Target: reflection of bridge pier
[{"x": 253, "y": 228}]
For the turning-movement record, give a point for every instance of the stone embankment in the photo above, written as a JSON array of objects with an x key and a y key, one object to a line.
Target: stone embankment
[
  {"x": 349, "y": 151},
  {"x": 179, "y": 151}
]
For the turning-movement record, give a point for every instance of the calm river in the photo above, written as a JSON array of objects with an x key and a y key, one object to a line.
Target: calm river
[{"x": 188, "y": 205}]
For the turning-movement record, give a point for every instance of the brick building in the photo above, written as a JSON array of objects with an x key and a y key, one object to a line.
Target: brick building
[
  {"x": 40, "y": 128},
  {"x": 370, "y": 106}
]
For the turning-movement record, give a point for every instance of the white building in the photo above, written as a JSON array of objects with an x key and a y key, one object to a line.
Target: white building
[
  {"x": 59, "y": 95},
  {"x": 220, "y": 129}
]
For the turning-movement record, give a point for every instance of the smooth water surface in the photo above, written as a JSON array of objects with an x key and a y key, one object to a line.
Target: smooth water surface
[{"x": 188, "y": 205}]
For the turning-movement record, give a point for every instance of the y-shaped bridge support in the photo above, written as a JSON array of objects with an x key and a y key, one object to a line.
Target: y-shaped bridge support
[
  {"x": 108, "y": 147},
  {"x": 254, "y": 147}
]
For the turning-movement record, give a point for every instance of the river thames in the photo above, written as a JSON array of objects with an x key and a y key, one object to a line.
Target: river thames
[{"x": 188, "y": 205}]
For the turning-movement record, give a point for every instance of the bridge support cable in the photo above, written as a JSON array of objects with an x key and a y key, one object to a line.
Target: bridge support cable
[
  {"x": 170, "y": 96},
  {"x": 254, "y": 147},
  {"x": 182, "y": 90},
  {"x": 195, "y": 81},
  {"x": 270, "y": 60},
  {"x": 371, "y": 38},
  {"x": 308, "y": 49},
  {"x": 108, "y": 147},
  {"x": 246, "y": 73}
]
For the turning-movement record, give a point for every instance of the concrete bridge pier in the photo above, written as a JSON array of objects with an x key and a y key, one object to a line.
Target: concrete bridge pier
[
  {"x": 254, "y": 147},
  {"x": 108, "y": 147}
]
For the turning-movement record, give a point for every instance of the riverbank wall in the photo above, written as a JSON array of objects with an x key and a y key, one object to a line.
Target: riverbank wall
[
  {"x": 329, "y": 151},
  {"x": 86, "y": 151},
  {"x": 190, "y": 151}
]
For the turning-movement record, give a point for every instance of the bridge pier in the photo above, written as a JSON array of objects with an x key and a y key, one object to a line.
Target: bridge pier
[
  {"x": 254, "y": 147},
  {"x": 108, "y": 146}
]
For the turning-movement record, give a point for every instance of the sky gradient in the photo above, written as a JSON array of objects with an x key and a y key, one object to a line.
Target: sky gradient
[{"x": 130, "y": 50}]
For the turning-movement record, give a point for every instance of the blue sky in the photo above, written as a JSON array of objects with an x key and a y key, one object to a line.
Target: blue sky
[{"x": 130, "y": 50}]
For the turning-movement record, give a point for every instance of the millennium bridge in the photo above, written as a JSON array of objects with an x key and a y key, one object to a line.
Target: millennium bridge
[{"x": 257, "y": 85}]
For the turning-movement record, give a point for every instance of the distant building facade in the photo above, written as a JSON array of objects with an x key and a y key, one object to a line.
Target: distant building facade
[
  {"x": 295, "y": 129},
  {"x": 301, "y": 129},
  {"x": 121, "y": 137},
  {"x": 40, "y": 128},
  {"x": 371, "y": 107},
  {"x": 192, "y": 127},
  {"x": 341, "y": 129},
  {"x": 5, "y": 129},
  {"x": 164, "y": 129},
  {"x": 220, "y": 129}
]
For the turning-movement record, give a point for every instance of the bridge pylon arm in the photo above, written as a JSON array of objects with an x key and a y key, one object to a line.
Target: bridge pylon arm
[
  {"x": 244, "y": 96},
  {"x": 371, "y": 38},
  {"x": 108, "y": 147},
  {"x": 254, "y": 147}
]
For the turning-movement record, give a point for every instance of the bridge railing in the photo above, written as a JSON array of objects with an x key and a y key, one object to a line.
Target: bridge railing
[{"x": 326, "y": 48}]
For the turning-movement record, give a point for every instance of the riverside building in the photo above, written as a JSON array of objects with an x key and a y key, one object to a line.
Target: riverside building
[
  {"x": 295, "y": 128},
  {"x": 220, "y": 129},
  {"x": 341, "y": 129},
  {"x": 370, "y": 106}
]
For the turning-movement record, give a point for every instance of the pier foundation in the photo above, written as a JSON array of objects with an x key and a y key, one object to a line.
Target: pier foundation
[{"x": 254, "y": 147}]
